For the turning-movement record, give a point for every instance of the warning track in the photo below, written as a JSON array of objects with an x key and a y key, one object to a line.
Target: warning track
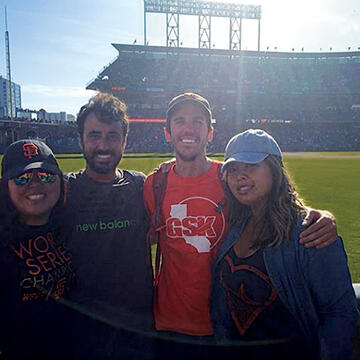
[{"x": 328, "y": 155}]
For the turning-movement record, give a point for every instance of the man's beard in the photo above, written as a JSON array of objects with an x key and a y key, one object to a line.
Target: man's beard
[
  {"x": 103, "y": 168},
  {"x": 187, "y": 158},
  {"x": 183, "y": 156}
]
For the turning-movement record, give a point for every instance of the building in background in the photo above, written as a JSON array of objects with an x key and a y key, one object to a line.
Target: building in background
[
  {"x": 5, "y": 98},
  {"x": 52, "y": 117},
  {"x": 70, "y": 118}
]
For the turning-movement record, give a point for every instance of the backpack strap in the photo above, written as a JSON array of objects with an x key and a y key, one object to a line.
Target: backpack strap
[
  {"x": 159, "y": 188},
  {"x": 221, "y": 205}
]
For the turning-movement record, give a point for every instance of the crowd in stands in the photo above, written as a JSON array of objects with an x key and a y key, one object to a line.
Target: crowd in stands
[
  {"x": 308, "y": 103},
  {"x": 149, "y": 137},
  {"x": 35, "y": 120},
  {"x": 291, "y": 137},
  {"x": 253, "y": 74},
  {"x": 60, "y": 137},
  {"x": 277, "y": 85},
  {"x": 38, "y": 121},
  {"x": 314, "y": 136}
]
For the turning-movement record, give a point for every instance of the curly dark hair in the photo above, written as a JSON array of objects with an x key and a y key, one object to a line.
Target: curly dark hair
[
  {"x": 283, "y": 207},
  {"x": 107, "y": 108}
]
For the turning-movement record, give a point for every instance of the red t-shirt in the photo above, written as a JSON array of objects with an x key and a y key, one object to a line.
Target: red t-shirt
[{"x": 194, "y": 229}]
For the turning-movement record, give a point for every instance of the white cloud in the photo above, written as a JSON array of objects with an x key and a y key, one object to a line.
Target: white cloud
[
  {"x": 55, "y": 98},
  {"x": 57, "y": 91}
]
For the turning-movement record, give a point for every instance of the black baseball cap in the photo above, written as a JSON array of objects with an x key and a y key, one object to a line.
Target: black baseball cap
[
  {"x": 24, "y": 155},
  {"x": 188, "y": 97}
]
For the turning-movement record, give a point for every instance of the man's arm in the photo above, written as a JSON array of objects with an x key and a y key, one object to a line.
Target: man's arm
[{"x": 321, "y": 230}]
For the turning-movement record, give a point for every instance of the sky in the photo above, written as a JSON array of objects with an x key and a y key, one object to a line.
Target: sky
[{"x": 57, "y": 47}]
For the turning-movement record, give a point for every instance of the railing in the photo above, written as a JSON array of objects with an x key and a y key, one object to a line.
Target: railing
[{"x": 92, "y": 80}]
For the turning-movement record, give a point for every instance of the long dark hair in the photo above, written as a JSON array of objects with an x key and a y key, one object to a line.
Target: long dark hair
[
  {"x": 10, "y": 220},
  {"x": 283, "y": 208}
]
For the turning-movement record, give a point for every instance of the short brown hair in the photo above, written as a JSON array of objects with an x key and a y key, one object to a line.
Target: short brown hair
[{"x": 107, "y": 108}]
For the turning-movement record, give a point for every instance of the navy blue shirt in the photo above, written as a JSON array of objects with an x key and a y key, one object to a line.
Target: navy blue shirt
[
  {"x": 256, "y": 309},
  {"x": 36, "y": 275}
]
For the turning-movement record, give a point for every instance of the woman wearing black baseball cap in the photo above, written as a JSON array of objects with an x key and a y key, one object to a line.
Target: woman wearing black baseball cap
[{"x": 35, "y": 265}]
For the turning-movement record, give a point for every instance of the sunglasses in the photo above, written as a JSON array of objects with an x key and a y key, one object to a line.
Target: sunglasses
[{"x": 43, "y": 176}]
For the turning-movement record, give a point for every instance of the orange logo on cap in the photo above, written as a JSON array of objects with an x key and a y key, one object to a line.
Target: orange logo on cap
[{"x": 30, "y": 150}]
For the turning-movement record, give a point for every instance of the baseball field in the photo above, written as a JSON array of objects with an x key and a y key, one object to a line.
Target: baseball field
[{"x": 324, "y": 180}]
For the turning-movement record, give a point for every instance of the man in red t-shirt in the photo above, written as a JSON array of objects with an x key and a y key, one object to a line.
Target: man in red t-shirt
[{"x": 194, "y": 223}]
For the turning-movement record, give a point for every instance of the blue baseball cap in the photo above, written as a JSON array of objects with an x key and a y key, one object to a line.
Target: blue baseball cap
[{"x": 251, "y": 147}]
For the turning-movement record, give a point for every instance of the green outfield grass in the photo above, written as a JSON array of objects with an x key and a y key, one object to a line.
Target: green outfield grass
[
  {"x": 330, "y": 181},
  {"x": 333, "y": 184}
]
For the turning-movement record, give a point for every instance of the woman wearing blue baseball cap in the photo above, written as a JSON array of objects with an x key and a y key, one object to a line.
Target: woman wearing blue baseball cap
[
  {"x": 268, "y": 290},
  {"x": 35, "y": 265}
]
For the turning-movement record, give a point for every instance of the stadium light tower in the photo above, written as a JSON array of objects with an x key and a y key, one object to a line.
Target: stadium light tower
[
  {"x": 204, "y": 10},
  {"x": 8, "y": 69}
]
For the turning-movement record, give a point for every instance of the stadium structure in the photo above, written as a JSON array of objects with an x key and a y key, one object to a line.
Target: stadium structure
[{"x": 308, "y": 101}]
